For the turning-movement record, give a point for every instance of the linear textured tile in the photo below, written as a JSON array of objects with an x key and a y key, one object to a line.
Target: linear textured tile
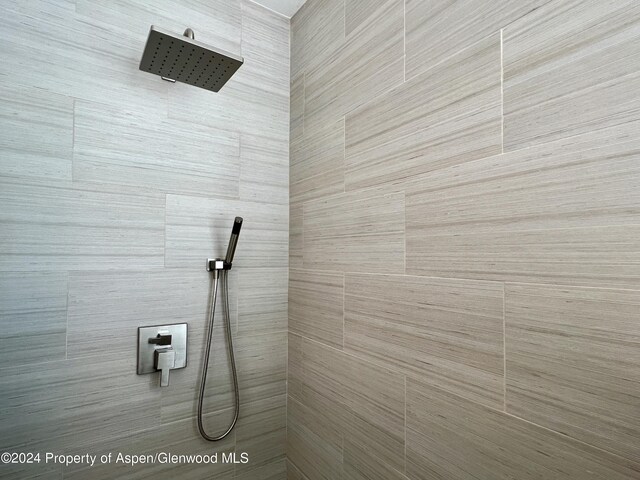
[
  {"x": 449, "y": 115},
  {"x": 178, "y": 438},
  {"x": 355, "y": 231},
  {"x": 311, "y": 444},
  {"x": 316, "y": 306},
  {"x": 61, "y": 227},
  {"x": 546, "y": 230},
  {"x": 359, "y": 464},
  {"x": 293, "y": 473},
  {"x": 265, "y": 46},
  {"x": 36, "y": 138},
  {"x": 261, "y": 433},
  {"x": 317, "y": 163},
  {"x": 264, "y": 169},
  {"x": 295, "y": 235},
  {"x": 573, "y": 362},
  {"x": 369, "y": 63},
  {"x": 136, "y": 149},
  {"x": 568, "y": 69},
  {"x": 357, "y": 12},
  {"x": 46, "y": 45},
  {"x": 262, "y": 365},
  {"x": 198, "y": 228},
  {"x": 296, "y": 107},
  {"x": 448, "y": 437},
  {"x": 255, "y": 101},
  {"x": 365, "y": 401},
  {"x": 262, "y": 300},
  {"x": 55, "y": 406},
  {"x": 449, "y": 333},
  {"x": 436, "y": 30},
  {"x": 274, "y": 470},
  {"x": 216, "y": 22},
  {"x": 33, "y": 317},
  {"x": 112, "y": 305},
  {"x": 317, "y": 31}
]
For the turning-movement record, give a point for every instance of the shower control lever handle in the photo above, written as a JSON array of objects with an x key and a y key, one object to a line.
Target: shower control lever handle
[
  {"x": 161, "y": 340},
  {"x": 165, "y": 360}
]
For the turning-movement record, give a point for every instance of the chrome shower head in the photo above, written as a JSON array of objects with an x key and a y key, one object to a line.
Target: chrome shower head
[{"x": 181, "y": 58}]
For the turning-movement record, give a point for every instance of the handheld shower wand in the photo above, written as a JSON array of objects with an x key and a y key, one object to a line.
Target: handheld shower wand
[
  {"x": 220, "y": 269},
  {"x": 233, "y": 241}
]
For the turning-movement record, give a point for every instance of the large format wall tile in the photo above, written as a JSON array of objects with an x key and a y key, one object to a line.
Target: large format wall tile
[
  {"x": 33, "y": 317},
  {"x": 62, "y": 227},
  {"x": 47, "y": 45},
  {"x": 296, "y": 108},
  {"x": 295, "y": 235},
  {"x": 569, "y": 68},
  {"x": 368, "y": 63},
  {"x": 449, "y": 115},
  {"x": 356, "y": 12},
  {"x": 264, "y": 169},
  {"x": 317, "y": 163},
  {"x": 129, "y": 148},
  {"x": 573, "y": 362},
  {"x": 364, "y": 401},
  {"x": 317, "y": 31},
  {"x": 312, "y": 445},
  {"x": 178, "y": 438},
  {"x": 109, "y": 307},
  {"x": 445, "y": 332},
  {"x": 55, "y": 406},
  {"x": 261, "y": 434},
  {"x": 355, "y": 231},
  {"x": 316, "y": 306},
  {"x": 520, "y": 216},
  {"x": 262, "y": 300},
  {"x": 436, "y": 30},
  {"x": 255, "y": 100},
  {"x": 198, "y": 228},
  {"x": 36, "y": 138},
  {"x": 448, "y": 437}
]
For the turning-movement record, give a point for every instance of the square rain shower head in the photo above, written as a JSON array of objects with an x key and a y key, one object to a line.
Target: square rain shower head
[{"x": 179, "y": 58}]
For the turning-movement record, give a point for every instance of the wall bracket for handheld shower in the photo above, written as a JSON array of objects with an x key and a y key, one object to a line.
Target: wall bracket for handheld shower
[{"x": 217, "y": 264}]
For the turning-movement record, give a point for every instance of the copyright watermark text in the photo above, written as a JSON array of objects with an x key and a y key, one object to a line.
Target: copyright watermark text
[{"x": 122, "y": 458}]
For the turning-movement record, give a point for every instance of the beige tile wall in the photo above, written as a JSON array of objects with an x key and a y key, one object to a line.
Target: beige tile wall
[
  {"x": 114, "y": 188},
  {"x": 464, "y": 294}
]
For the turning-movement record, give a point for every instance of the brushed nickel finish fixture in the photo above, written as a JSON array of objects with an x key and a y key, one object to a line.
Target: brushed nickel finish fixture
[
  {"x": 220, "y": 268},
  {"x": 162, "y": 348},
  {"x": 181, "y": 58}
]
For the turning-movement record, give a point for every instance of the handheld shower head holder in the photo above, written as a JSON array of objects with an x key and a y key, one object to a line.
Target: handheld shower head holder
[{"x": 214, "y": 264}]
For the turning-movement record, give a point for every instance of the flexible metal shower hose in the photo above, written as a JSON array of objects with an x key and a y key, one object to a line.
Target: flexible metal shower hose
[{"x": 219, "y": 276}]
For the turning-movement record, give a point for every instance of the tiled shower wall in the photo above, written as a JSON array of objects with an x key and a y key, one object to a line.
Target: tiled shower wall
[
  {"x": 114, "y": 188},
  {"x": 464, "y": 296}
]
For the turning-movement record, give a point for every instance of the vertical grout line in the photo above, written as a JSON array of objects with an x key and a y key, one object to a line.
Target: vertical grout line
[
  {"x": 504, "y": 347},
  {"x": 502, "y": 88}
]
